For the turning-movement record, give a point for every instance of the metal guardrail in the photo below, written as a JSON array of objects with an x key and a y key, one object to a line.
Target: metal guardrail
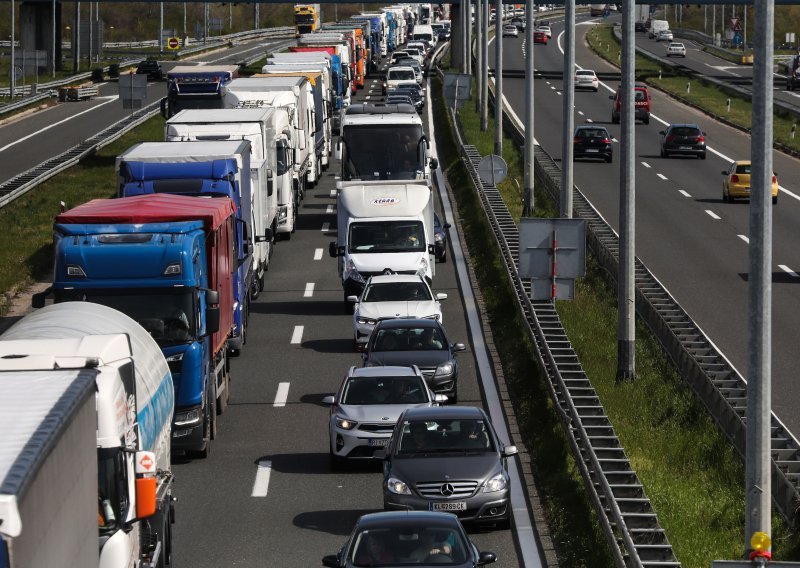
[
  {"x": 24, "y": 182},
  {"x": 47, "y": 88}
]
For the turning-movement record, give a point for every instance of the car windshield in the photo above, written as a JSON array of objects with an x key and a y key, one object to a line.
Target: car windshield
[
  {"x": 384, "y": 390},
  {"x": 409, "y": 339},
  {"x": 397, "y": 292},
  {"x": 407, "y": 544},
  {"x": 445, "y": 436},
  {"x": 400, "y": 74}
]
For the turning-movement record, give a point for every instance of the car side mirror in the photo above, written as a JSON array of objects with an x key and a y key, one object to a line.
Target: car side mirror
[
  {"x": 458, "y": 347},
  {"x": 723, "y": 172},
  {"x": 332, "y": 561},
  {"x": 446, "y": 226},
  {"x": 485, "y": 558},
  {"x": 509, "y": 451},
  {"x": 440, "y": 398},
  {"x": 441, "y": 296},
  {"x": 333, "y": 251},
  {"x": 352, "y": 299},
  {"x": 434, "y": 163},
  {"x": 330, "y": 399},
  {"x": 663, "y": 133}
]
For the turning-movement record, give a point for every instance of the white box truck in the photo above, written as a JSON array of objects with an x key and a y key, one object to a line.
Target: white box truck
[
  {"x": 383, "y": 142},
  {"x": 86, "y": 402},
  {"x": 382, "y": 227},
  {"x": 293, "y": 94}
]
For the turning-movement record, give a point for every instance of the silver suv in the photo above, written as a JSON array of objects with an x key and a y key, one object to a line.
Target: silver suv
[{"x": 448, "y": 459}]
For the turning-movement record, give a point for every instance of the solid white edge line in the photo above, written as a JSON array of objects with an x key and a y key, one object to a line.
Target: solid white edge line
[
  {"x": 789, "y": 271},
  {"x": 526, "y": 536},
  {"x": 745, "y": 238},
  {"x": 282, "y": 395},
  {"x": 297, "y": 335},
  {"x": 713, "y": 215},
  {"x": 309, "y": 291},
  {"x": 261, "y": 483},
  {"x": 317, "y": 254}
]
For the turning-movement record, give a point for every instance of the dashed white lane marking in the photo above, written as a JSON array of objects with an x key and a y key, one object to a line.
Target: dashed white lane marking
[
  {"x": 789, "y": 271},
  {"x": 367, "y": 97},
  {"x": 712, "y": 214},
  {"x": 559, "y": 93},
  {"x": 684, "y": 192},
  {"x": 552, "y": 87},
  {"x": 309, "y": 290},
  {"x": 614, "y": 140},
  {"x": 745, "y": 238},
  {"x": 282, "y": 395},
  {"x": 547, "y": 82},
  {"x": 333, "y": 193},
  {"x": 662, "y": 176},
  {"x": 297, "y": 335},
  {"x": 261, "y": 484},
  {"x": 329, "y": 209},
  {"x": 580, "y": 112},
  {"x": 326, "y": 227},
  {"x": 317, "y": 254},
  {"x": 645, "y": 164},
  {"x": 589, "y": 120}
]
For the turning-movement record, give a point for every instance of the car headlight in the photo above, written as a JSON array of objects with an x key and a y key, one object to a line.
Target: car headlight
[
  {"x": 366, "y": 321},
  {"x": 188, "y": 417},
  {"x": 497, "y": 483},
  {"x": 444, "y": 369},
  {"x": 422, "y": 270},
  {"x": 397, "y": 486},
  {"x": 345, "y": 424}
]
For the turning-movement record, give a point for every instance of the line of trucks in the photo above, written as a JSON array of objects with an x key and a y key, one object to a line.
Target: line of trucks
[{"x": 151, "y": 292}]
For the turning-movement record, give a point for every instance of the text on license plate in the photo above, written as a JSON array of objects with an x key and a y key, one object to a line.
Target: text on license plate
[
  {"x": 448, "y": 506},
  {"x": 378, "y": 442},
  {"x": 685, "y": 148},
  {"x": 592, "y": 150}
]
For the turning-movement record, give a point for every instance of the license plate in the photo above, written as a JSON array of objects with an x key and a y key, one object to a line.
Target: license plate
[
  {"x": 685, "y": 148},
  {"x": 592, "y": 150},
  {"x": 378, "y": 442},
  {"x": 747, "y": 189},
  {"x": 448, "y": 506}
]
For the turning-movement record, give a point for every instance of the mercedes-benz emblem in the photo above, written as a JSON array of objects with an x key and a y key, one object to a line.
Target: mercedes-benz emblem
[{"x": 447, "y": 489}]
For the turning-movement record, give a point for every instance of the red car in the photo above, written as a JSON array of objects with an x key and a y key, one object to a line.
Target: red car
[{"x": 540, "y": 37}]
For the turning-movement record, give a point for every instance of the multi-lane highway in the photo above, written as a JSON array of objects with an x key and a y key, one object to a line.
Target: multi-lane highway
[
  {"x": 266, "y": 494},
  {"x": 693, "y": 241}
]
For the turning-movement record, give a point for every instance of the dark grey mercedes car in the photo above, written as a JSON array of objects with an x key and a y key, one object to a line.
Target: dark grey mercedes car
[
  {"x": 421, "y": 342},
  {"x": 448, "y": 459}
]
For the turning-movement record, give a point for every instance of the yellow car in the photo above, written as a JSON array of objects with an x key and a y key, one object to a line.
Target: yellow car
[{"x": 737, "y": 182}]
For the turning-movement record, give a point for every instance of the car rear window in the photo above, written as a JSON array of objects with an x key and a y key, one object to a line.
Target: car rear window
[
  {"x": 743, "y": 169},
  {"x": 640, "y": 95},
  {"x": 685, "y": 131},
  {"x": 592, "y": 133}
]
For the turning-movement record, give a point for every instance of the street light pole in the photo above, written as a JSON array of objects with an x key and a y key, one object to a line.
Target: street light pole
[
  {"x": 479, "y": 63},
  {"x": 568, "y": 111},
  {"x": 498, "y": 78},
  {"x": 13, "y": 78},
  {"x": 527, "y": 207},
  {"x": 485, "y": 70}
]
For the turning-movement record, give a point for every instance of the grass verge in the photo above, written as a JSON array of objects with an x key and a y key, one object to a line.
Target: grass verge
[
  {"x": 27, "y": 239},
  {"x": 709, "y": 98},
  {"x": 691, "y": 473}
]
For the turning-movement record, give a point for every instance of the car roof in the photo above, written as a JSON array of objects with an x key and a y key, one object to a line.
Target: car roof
[
  {"x": 586, "y": 71},
  {"x": 399, "y": 323},
  {"x": 429, "y": 414},
  {"x": 407, "y": 518},
  {"x": 383, "y": 371},
  {"x": 684, "y": 125},
  {"x": 388, "y": 278}
]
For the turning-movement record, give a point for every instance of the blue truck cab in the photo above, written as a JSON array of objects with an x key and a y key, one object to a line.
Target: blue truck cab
[{"x": 208, "y": 169}]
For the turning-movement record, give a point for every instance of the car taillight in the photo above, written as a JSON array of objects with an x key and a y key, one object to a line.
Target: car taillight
[
  {"x": 774, "y": 179},
  {"x": 669, "y": 138},
  {"x": 605, "y": 141},
  {"x": 701, "y": 139},
  {"x": 577, "y": 140},
  {"x": 734, "y": 178}
]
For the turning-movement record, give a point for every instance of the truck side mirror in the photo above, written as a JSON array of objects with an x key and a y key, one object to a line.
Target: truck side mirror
[
  {"x": 163, "y": 105},
  {"x": 431, "y": 249},
  {"x": 38, "y": 299},
  {"x": 212, "y": 320},
  {"x": 338, "y": 152},
  {"x": 332, "y": 249},
  {"x": 270, "y": 184},
  {"x": 212, "y": 297}
]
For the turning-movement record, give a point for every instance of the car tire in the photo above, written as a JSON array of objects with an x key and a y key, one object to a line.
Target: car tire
[
  {"x": 663, "y": 153},
  {"x": 647, "y": 119},
  {"x": 610, "y": 159},
  {"x": 703, "y": 156},
  {"x": 337, "y": 463},
  {"x": 775, "y": 200},
  {"x": 443, "y": 259},
  {"x": 614, "y": 118}
]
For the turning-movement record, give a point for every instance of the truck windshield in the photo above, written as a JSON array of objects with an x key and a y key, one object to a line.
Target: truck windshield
[
  {"x": 387, "y": 236},
  {"x": 393, "y": 152},
  {"x": 169, "y": 318},
  {"x": 112, "y": 503}
]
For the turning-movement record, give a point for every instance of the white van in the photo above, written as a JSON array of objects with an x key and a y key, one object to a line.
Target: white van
[
  {"x": 424, "y": 31},
  {"x": 656, "y": 26},
  {"x": 397, "y": 75}
]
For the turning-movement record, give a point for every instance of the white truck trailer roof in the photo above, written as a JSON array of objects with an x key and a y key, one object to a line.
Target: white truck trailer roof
[{"x": 383, "y": 199}]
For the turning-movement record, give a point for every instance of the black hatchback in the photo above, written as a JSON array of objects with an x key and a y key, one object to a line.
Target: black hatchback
[
  {"x": 152, "y": 69},
  {"x": 592, "y": 142},
  {"x": 683, "y": 139}
]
